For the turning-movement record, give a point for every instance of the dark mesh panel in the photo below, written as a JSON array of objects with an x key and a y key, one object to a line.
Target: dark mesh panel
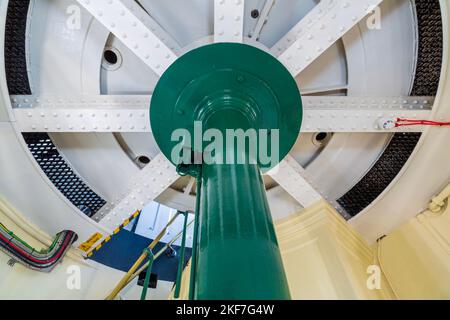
[
  {"x": 62, "y": 176},
  {"x": 429, "y": 60},
  {"x": 40, "y": 144},
  {"x": 381, "y": 174},
  {"x": 429, "y": 64},
  {"x": 15, "y": 55}
]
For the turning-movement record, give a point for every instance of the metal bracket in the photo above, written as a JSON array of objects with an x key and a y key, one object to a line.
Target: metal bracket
[{"x": 193, "y": 170}]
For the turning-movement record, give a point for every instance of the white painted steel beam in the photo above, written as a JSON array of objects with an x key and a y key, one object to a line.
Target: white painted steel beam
[
  {"x": 262, "y": 20},
  {"x": 142, "y": 189},
  {"x": 82, "y": 114},
  {"x": 319, "y": 30},
  {"x": 131, "y": 113},
  {"x": 323, "y": 90},
  {"x": 117, "y": 17},
  {"x": 362, "y": 114},
  {"x": 318, "y": 12},
  {"x": 228, "y": 20},
  {"x": 291, "y": 177},
  {"x": 153, "y": 25}
]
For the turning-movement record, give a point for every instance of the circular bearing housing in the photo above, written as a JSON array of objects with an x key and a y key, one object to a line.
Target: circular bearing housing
[{"x": 258, "y": 89}]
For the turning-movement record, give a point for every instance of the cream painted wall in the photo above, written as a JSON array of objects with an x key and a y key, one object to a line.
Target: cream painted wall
[
  {"x": 323, "y": 256},
  {"x": 18, "y": 282},
  {"x": 416, "y": 257},
  {"x": 325, "y": 259}
]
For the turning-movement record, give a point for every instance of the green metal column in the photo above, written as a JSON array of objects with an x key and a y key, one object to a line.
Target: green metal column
[
  {"x": 238, "y": 256},
  {"x": 230, "y": 86}
]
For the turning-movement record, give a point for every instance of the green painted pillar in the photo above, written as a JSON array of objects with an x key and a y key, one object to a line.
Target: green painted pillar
[
  {"x": 230, "y": 86},
  {"x": 238, "y": 255}
]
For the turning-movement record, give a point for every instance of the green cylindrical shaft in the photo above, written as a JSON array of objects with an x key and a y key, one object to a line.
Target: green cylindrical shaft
[
  {"x": 238, "y": 91},
  {"x": 238, "y": 256}
]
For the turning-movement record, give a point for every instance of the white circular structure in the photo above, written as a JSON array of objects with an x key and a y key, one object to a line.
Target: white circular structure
[{"x": 78, "y": 78}]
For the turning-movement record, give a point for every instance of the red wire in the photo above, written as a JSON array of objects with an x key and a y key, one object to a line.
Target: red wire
[{"x": 410, "y": 122}]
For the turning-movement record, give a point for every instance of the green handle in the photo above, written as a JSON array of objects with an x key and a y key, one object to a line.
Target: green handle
[
  {"x": 147, "y": 276},
  {"x": 195, "y": 240},
  {"x": 181, "y": 262}
]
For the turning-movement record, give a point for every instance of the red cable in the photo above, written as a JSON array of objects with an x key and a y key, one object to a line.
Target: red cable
[
  {"x": 410, "y": 122},
  {"x": 35, "y": 260}
]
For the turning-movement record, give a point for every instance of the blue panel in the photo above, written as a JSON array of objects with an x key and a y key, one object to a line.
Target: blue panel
[{"x": 126, "y": 247}]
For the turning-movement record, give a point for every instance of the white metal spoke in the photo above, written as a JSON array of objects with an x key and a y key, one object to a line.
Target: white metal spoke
[
  {"x": 151, "y": 24},
  {"x": 319, "y": 30},
  {"x": 291, "y": 177},
  {"x": 123, "y": 23},
  {"x": 354, "y": 114},
  {"x": 144, "y": 188},
  {"x": 228, "y": 20},
  {"x": 188, "y": 189},
  {"x": 131, "y": 113},
  {"x": 321, "y": 9},
  {"x": 262, "y": 20},
  {"x": 323, "y": 90},
  {"x": 82, "y": 114}
]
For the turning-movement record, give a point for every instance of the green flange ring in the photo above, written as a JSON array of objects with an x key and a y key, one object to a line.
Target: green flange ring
[{"x": 226, "y": 74}]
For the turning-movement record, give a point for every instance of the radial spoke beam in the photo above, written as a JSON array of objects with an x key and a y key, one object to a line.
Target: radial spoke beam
[
  {"x": 144, "y": 188},
  {"x": 318, "y": 12},
  {"x": 228, "y": 20},
  {"x": 131, "y": 113},
  {"x": 291, "y": 177},
  {"x": 354, "y": 114},
  {"x": 319, "y": 30},
  {"x": 140, "y": 13},
  {"x": 262, "y": 20},
  {"x": 323, "y": 91},
  {"x": 126, "y": 26},
  {"x": 82, "y": 114}
]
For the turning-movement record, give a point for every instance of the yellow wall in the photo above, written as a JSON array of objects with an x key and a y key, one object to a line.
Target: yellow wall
[
  {"x": 18, "y": 282},
  {"x": 325, "y": 258},
  {"x": 416, "y": 257}
]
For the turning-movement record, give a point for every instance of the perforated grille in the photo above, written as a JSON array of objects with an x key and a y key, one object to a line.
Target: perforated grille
[
  {"x": 426, "y": 83},
  {"x": 15, "y": 57},
  {"x": 429, "y": 59},
  {"x": 62, "y": 176},
  {"x": 40, "y": 145},
  {"x": 382, "y": 173}
]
